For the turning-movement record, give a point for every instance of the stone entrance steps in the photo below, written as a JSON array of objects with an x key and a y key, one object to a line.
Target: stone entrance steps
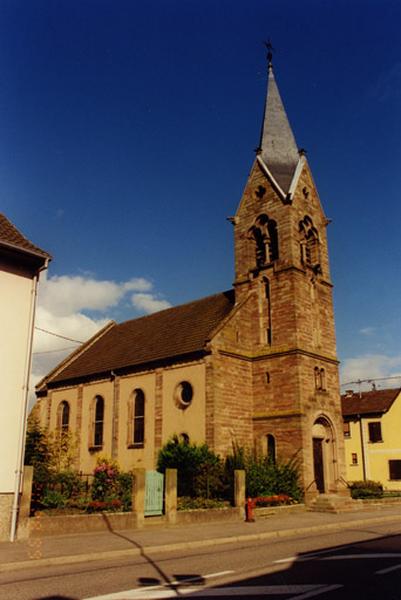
[{"x": 334, "y": 503}]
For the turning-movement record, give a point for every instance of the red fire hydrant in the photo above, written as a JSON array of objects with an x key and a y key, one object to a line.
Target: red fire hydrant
[{"x": 249, "y": 511}]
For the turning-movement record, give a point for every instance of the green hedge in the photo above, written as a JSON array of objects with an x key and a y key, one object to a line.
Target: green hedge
[{"x": 366, "y": 489}]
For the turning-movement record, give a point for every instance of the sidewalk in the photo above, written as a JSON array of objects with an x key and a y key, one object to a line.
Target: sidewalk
[{"x": 69, "y": 549}]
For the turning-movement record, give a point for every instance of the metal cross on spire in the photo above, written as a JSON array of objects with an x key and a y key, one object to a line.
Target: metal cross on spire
[{"x": 270, "y": 49}]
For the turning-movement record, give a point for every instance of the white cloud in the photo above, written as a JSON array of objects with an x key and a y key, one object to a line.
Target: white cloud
[
  {"x": 149, "y": 303},
  {"x": 62, "y": 301},
  {"x": 372, "y": 366},
  {"x": 367, "y": 331},
  {"x": 66, "y": 294}
]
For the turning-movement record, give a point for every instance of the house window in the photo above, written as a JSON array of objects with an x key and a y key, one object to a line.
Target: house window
[
  {"x": 271, "y": 447},
  {"x": 267, "y": 377},
  {"x": 354, "y": 458},
  {"x": 375, "y": 432},
  {"x": 63, "y": 416},
  {"x": 394, "y": 467},
  {"x": 347, "y": 429},
  {"x": 138, "y": 437},
  {"x": 98, "y": 422}
]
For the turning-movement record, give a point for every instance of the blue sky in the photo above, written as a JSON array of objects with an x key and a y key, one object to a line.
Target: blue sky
[{"x": 128, "y": 131}]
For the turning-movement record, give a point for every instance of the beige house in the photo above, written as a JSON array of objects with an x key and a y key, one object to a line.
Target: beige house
[
  {"x": 20, "y": 265},
  {"x": 255, "y": 365},
  {"x": 372, "y": 436}
]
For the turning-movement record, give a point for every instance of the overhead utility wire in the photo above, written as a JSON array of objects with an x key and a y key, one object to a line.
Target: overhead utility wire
[
  {"x": 63, "y": 337},
  {"x": 55, "y": 350},
  {"x": 371, "y": 379}
]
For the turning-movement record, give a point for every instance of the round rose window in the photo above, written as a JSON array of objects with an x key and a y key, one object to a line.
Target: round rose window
[{"x": 183, "y": 394}]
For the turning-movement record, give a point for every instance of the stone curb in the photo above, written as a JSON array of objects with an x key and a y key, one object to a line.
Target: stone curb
[{"x": 111, "y": 554}]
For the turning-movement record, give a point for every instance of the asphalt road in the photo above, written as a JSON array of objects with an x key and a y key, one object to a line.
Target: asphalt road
[{"x": 357, "y": 563}]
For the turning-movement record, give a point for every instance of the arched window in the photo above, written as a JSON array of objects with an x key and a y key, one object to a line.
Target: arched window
[
  {"x": 184, "y": 438},
  {"x": 63, "y": 417},
  {"x": 309, "y": 243},
  {"x": 264, "y": 235},
  {"x": 271, "y": 447},
  {"x": 317, "y": 378},
  {"x": 98, "y": 421},
  {"x": 320, "y": 379},
  {"x": 323, "y": 380},
  {"x": 138, "y": 426},
  {"x": 267, "y": 311}
]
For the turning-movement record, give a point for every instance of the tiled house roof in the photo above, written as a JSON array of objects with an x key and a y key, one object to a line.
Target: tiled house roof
[
  {"x": 374, "y": 401},
  {"x": 174, "y": 332},
  {"x": 12, "y": 238}
]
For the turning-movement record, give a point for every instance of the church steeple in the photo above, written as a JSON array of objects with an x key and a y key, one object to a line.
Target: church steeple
[{"x": 277, "y": 148}]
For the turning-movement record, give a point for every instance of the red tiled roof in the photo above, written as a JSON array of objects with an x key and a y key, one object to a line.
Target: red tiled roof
[
  {"x": 10, "y": 236},
  {"x": 173, "y": 332},
  {"x": 374, "y": 401}
]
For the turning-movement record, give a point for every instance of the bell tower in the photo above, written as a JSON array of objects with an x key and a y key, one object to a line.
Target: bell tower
[{"x": 281, "y": 262}]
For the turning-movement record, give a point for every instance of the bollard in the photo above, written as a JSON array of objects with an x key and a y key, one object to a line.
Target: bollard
[{"x": 249, "y": 517}]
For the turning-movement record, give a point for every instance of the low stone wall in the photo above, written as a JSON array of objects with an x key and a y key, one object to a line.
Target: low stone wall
[
  {"x": 44, "y": 525},
  {"x": 266, "y": 511},
  {"x": 209, "y": 515},
  {"x": 379, "y": 501}
]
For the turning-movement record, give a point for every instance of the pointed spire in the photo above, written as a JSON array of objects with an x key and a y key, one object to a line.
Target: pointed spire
[{"x": 278, "y": 148}]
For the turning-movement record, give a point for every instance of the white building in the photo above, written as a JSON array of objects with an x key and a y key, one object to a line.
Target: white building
[{"x": 20, "y": 265}]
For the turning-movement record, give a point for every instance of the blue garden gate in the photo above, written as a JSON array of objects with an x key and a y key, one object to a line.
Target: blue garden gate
[{"x": 153, "y": 493}]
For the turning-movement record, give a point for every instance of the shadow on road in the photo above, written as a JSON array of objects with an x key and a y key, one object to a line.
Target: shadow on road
[
  {"x": 164, "y": 580},
  {"x": 368, "y": 569}
]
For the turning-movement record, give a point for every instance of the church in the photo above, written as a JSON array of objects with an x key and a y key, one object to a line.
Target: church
[{"x": 255, "y": 365}]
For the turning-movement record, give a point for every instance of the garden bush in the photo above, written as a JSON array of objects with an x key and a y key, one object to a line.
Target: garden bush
[
  {"x": 200, "y": 472},
  {"x": 366, "y": 489},
  {"x": 111, "y": 489},
  {"x": 263, "y": 476}
]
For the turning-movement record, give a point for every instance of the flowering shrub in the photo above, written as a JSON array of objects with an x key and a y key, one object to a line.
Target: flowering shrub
[
  {"x": 275, "y": 500},
  {"x": 104, "y": 485},
  {"x": 97, "y": 505},
  {"x": 111, "y": 489}
]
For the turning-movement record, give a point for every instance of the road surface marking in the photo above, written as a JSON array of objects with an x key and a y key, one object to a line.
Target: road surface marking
[
  {"x": 289, "y": 559},
  {"x": 362, "y": 556},
  {"x": 388, "y": 570},
  {"x": 322, "y": 590},
  {"x": 312, "y": 556},
  {"x": 122, "y": 595},
  {"x": 306, "y": 556},
  {"x": 306, "y": 591}
]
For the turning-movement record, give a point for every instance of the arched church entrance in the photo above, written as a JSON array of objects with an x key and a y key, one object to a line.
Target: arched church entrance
[{"x": 323, "y": 454}]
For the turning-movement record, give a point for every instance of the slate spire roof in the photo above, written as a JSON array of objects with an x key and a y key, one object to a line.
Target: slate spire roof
[{"x": 278, "y": 147}]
